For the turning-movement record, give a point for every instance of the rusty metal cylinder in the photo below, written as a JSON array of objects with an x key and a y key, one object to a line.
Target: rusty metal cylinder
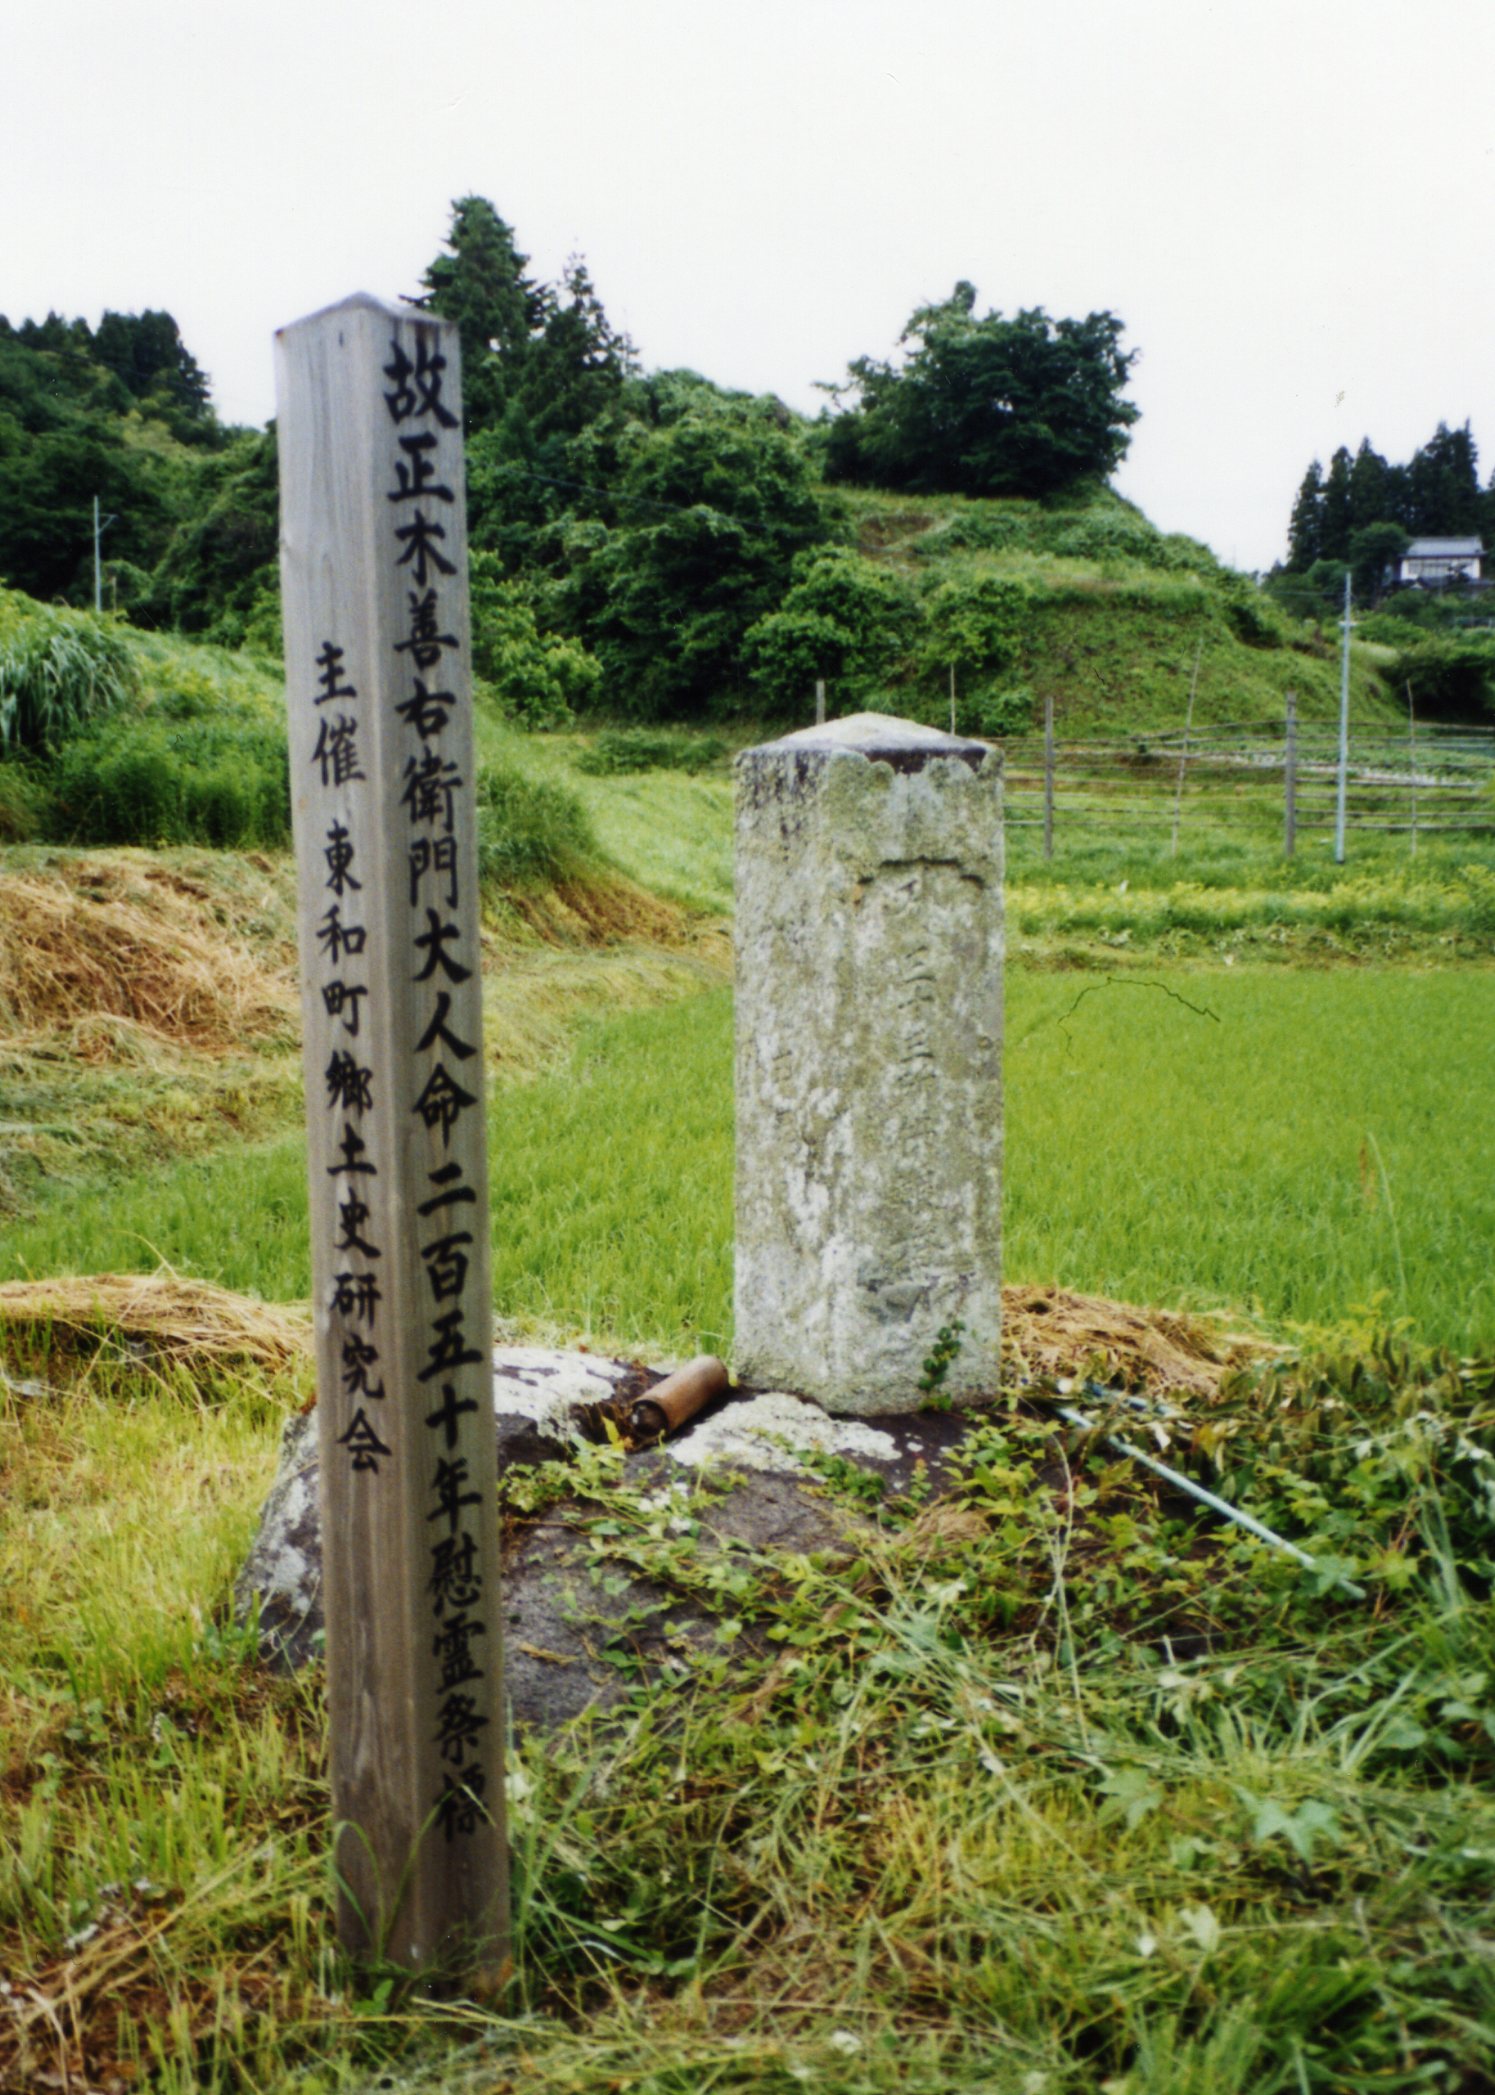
[{"x": 678, "y": 1397}]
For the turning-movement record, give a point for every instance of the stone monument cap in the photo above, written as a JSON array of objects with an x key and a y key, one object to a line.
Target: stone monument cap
[{"x": 906, "y": 745}]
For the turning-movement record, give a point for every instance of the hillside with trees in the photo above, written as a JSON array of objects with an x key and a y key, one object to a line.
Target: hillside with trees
[{"x": 653, "y": 546}]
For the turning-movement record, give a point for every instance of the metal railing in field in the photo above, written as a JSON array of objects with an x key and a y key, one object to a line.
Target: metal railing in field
[{"x": 1419, "y": 781}]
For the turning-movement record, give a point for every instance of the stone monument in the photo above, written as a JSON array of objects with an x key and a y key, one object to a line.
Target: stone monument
[{"x": 869, "y": 1063}]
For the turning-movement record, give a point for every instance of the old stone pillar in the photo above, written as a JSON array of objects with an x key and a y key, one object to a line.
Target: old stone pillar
[{"x": 869, "y": 1062}]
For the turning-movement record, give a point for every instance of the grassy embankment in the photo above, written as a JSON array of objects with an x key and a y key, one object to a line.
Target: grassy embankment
[{"x": 1115, "y": 615}]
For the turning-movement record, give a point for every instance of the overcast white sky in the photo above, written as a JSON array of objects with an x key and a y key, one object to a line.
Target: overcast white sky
[{"x": 1289, "y": 202}]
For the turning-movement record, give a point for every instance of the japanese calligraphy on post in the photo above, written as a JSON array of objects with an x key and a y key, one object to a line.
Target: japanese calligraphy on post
[{"x": 374, "y": 576}]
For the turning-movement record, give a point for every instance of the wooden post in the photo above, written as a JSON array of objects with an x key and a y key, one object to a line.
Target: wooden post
[
  {"x": 1412, "y": 760},
  {"x": 952, "y": 698},
  {"x": 1342, "y": 772},
  {"x": 374, "y": 577},
  {"x": 1048, "y": 776},
  {"x": 1183, "y": 755},
  {"x": 1290, "y": 778},
  {"x": 820, "y": 701}
]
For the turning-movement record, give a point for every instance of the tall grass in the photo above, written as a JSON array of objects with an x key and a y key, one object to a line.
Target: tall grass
[
  {"x": 59, "y": 670},
  {"x": 531, "y": 831},
  {"x": 158, "y": 782}
]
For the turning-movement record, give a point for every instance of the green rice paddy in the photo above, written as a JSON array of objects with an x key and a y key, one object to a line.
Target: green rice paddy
[{"x": 1296, "y": 1144}]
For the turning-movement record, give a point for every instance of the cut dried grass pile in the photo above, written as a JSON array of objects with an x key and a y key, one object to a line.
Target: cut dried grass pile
[
  {"x": 128, "y": 939},
  {"x": 593, "y": 912},
  {"x": 1046, "y": 1331},
  {"x": 158, "y": 1313},
  {"x": 1049, "y": 1331}
]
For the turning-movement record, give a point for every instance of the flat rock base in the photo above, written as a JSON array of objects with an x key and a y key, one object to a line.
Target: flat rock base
[{"x": 571, "y": 1645}]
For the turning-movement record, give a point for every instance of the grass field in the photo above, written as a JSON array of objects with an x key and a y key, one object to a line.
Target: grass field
[{"x": 1298, "y": 1144}]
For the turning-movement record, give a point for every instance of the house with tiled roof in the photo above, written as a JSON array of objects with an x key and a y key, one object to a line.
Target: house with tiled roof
[{"x": 1432, "y": 563}]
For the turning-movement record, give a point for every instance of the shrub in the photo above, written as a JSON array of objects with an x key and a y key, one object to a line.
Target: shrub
[
  {"x": 650, "y": 749},
  {"x": 530, "y": 830},
  {"x": 996, "y": 713},
  {"x": 539, "y": 677},
  {"x": 976, "y": 621},
  {"x": 156, "y": 780},
  {"x": 59, "y": 670},
  {"x": 842, "y": 619},
  {"x": 1450, "y": 677},
  {"x": 1254, "y": 617}
]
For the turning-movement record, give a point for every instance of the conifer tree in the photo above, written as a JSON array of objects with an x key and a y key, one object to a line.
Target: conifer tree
[
  {"x": 1306, "y": 525},
  {"x": 1335, "y": 526}
]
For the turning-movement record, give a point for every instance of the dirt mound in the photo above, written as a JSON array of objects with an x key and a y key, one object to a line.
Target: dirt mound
[
  {"x": 159, "y": 1312},
  {"x": 98, "y": 951},
  {"x": 1049, "y": 1331}
]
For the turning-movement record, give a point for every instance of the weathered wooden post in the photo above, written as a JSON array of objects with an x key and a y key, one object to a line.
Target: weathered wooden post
[
  {"x": 1290, "y": 778},
  {"x": 869, "y": 1063},
  {"x": 1048, "y": 775},
  {"x": 374, "y": 574}
]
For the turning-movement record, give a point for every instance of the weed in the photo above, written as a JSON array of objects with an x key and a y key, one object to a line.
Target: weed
[{"x": 946, "y": 1349}]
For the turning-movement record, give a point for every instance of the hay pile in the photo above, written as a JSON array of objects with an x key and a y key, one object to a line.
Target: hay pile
[
  {"x": 159, "y": 1313},
  {"x": 97, "y": 953},
  {"x": 1047, "y": 1331},
  {"x": 598, "y": 912},
  {"x": 1051, "y": 1332}
]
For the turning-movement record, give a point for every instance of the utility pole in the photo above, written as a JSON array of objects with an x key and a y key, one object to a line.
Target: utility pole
[
  {"x": 100, "y": 526},
  {"x": 1344, "y": 729}
]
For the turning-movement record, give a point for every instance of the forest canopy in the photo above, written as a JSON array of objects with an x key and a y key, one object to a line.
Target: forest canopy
[{"x": 649, "y": 541}]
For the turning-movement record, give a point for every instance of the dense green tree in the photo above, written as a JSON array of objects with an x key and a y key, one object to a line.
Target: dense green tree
[
  {"x": 1305, "y": 530},
  {"x": 843, "y": 619},
  {"x": 716, "y": 498},
  {"x": 219, "y": 567},
  {"x": 72, "y": 428},
  {"x": 480, "y": 282},
  {"x": 544, "y": 373},
  {"x": 145, "y": 351},
  {"x": 989, "y": 405},
  {"x": 1334, "y": 514},
  {"x": 1443, "y": 485},
  {"x": 1374, "y": 552},
  {"x": 578, "y": 362},
  {"x": 1374, "y": 496},
  {"x": 1435, "y": 495}
]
